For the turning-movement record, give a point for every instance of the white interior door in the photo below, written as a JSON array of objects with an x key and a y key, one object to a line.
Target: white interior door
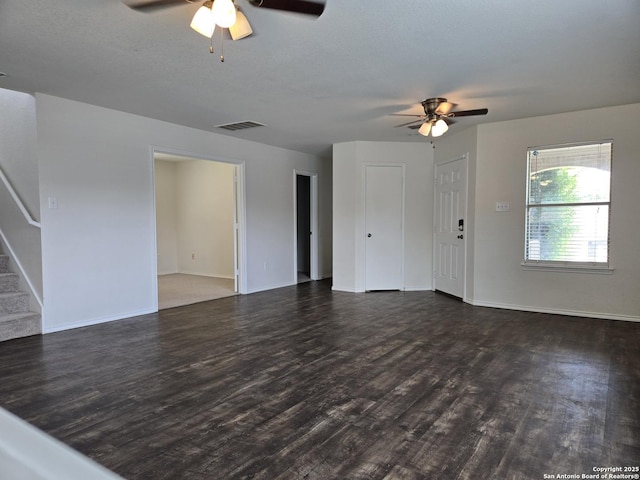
[
  {"x": 384, "y": 212},
  {"x": 450, "y": 205}
]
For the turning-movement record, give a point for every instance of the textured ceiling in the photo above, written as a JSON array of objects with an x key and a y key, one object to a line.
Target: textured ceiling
[{"x": 318, "y": 82}]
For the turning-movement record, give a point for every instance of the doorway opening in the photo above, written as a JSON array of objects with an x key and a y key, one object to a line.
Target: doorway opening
[
  {"x": 199, "y": 211},
  {"x": 305, "y": 190}
]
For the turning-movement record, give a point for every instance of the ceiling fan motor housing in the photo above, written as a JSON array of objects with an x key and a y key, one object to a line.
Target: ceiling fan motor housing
[{"x": 430, "y": 104}]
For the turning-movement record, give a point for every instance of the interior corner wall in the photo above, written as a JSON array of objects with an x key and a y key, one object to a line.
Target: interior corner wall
[
  {"x": 325, "y": 218},
  {"x": 204, "y": 218},
  {"x": 98, "y": 247},
  {"x": 166, "y": 216},
  {"x": 349, "y": 160},
  {"x": 499, "y": 279},
  {"x": 346, "y": 184}
]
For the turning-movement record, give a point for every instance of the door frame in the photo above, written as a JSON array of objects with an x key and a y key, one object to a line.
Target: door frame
[
  {"x": 240, "y": 247},
  {"x": 465, "y": 158},
  {"x": 313, "y": 193}
]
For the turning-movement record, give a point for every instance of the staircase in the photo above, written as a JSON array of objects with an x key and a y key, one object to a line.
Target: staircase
[{"x": 15, "y": 318}]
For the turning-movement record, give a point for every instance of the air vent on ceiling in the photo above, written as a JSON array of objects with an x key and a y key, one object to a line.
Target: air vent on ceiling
[{"x": 240, "y": 125}]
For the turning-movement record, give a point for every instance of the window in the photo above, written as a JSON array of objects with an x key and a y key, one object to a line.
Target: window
[{"x": 568, "y": 205}]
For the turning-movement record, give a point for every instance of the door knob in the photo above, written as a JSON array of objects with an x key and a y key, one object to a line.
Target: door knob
[
  {"x": 368, "y": 235},
  {"x": 460, "y": 237}
]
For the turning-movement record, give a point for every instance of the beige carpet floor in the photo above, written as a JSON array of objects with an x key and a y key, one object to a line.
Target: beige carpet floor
[{"x": 177, "y": 289}]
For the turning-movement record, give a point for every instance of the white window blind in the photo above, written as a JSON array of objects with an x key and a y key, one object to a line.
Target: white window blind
[{"x": 568, "y": 204}]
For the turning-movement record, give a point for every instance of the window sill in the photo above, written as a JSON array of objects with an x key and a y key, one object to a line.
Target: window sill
[{"x": 567, "y": 268}]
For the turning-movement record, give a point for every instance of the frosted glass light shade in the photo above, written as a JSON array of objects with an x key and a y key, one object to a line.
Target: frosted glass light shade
[
  {"x": 203, "y": 21},
  {"x": 224, "y": 13},
  {"x": 241, "y": 28},
  {"x": 424, "y": 129},
  {"x": 439, "y": 128}
]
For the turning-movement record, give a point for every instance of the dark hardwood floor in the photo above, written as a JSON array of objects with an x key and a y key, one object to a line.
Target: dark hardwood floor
[{"x": 305, "y": 383}]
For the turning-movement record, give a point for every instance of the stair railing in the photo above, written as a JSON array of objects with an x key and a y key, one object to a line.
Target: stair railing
[
  {"x": 16, "y": 199},
  {"x": 6, "y": 242}
]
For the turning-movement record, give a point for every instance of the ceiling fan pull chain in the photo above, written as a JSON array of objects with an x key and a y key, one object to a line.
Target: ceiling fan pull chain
[
  {"x": 211, "y": 45},
  {"x": 221, "y": 44}
]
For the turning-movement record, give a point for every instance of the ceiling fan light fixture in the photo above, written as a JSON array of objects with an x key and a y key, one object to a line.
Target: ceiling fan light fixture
[
  {"x": 223, "y": 13},
  {"x": 424, "y": 129},
  {"x": 439, "y": 128},
  {"x": 203, "y": 21},
  {"x": 241, "y": 28},
  {"x": 444, "y": 107}
]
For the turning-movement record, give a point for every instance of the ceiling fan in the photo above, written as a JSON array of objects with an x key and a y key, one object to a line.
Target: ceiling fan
[
  {"x": 437, "y": 116},
  {"x": 296, "y": 6},
  {"x": 225, "y": 14}
]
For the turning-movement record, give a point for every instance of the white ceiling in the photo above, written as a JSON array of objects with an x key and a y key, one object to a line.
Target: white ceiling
[{"x": 318, "y": 82}]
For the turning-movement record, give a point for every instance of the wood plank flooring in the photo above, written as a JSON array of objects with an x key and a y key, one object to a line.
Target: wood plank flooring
[{"x": 305, "y": 383}]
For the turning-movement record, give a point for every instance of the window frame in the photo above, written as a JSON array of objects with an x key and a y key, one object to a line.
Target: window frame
[{"x": 567, "y": 265}]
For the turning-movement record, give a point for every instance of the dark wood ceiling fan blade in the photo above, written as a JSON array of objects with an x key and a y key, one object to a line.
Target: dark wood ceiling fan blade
[
  {"x": 410, "y": 123},
  {"x": 297, "y": 6},
  {"x": 153, "y": 4},
  {"x": 469, "y": 113}
]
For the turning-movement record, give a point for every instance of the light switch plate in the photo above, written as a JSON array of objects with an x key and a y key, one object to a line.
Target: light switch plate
[{"x": 502, "y": 206}]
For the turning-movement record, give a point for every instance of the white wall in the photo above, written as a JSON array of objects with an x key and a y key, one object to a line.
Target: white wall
[
  {"x": 18, "y": 161},
  {"x": 194, "y": 217},
  {"x": 349, "y": 160},
  {"x": 166, "y": 217},
  {"x": 205, "y": 218},
  {"x": 98, "y": 246},
  {"x": 498, "y": 278}
]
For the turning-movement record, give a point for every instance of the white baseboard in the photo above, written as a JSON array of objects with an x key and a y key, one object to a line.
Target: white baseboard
[
  {"x": 556, "y": 311},
  {"x": 415, "y": 288},
  {"x": 338, "y": 288},
  {"x": 210, "y": 275},
  {"x": 264, "y": 288},
  {"x": 29, "y": 453},
  {"x": 96, "y": 321}
]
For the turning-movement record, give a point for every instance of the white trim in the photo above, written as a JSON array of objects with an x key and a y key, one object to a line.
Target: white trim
[
  {"x": 569, "y": 145},
  {"x": 466, "y": 245},
  {"x": 96, "y": 321},
  {"x": 16, "y": 199},
  {"x": 416, "y": 289},
  {"x": 557, "y": 311},
  {"x": 199, "y": 274},
  {"x": 154, "y": 236},
  {"x": 567, "y": 268},
  {"x": 403, "y": 167},
  {"x": 313, "y": 193},
  {"x": 28, "y": 453},
  {"x": 338, "y": 288},
  {"x": 270, "y": 287},
  {"x": 24, "y": 275},
  {"x": 240, "y": 198}
]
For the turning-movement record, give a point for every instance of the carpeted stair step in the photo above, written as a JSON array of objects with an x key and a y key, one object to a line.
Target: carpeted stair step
[
  {"x": 19, "y": 325},
  {"x": 4, "y": 263},
  {"x": 9, "y": 282},
  {"x": 14, "y": 302}
]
